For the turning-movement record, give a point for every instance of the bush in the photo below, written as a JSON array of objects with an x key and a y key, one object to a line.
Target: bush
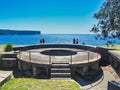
[{"x": 8, "y": 47}]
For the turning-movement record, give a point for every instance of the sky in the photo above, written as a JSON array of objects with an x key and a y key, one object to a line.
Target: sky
[{"x": 49, "y": 16}]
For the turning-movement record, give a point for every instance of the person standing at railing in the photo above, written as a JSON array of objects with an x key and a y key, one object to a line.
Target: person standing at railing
[
  {"x": 77, "y": 41},
  {"x": 42, "y": 41},
  {"x": 73, "y": 40}
]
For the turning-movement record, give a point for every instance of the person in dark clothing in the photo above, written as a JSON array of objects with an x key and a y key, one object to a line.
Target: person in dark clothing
[
  {"x": 42, "y": 41},
  {"x": 76, "y": 41},
  {"x": 73, "y": 40}
]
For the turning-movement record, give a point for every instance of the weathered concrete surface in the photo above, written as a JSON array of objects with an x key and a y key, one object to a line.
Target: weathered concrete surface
[
  {"x": 116, "y": 54},
  {"x": 115, "y": 60},
  {"x": 80, "y": 57},
  {"x": 8, "y": 60},
  {"x": 102, "y": 83},
  {"x": 76, "y": 46},
  {"x": 5, "y": 76}
]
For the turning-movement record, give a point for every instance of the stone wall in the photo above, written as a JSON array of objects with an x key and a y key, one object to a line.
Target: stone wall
[
  {"x": 87, "y": 71},
  {"x": 104, "y": 56},
  {"x": 34, "y": 70},
  {"x": 115, "y": 60},
  {"x": 8, "y": 61},
  {"x": 113, "y": 85},
  {"x": 76, "y": 46}
]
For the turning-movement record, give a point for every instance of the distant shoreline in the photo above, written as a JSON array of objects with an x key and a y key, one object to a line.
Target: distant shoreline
[{"x": 19, "y": 32}]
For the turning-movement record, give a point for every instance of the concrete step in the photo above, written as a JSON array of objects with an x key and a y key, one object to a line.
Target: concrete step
[
  {"x": 8, "y": 58},
  {"x": 62, "y": 70},
  {"x": 60, "y": 75},
  {"x": 9, "y": 55},
  {"x": 60, "y": 78},
  {"x": 60, "y": 65},
  {"x": 60, "y": 61},
  {"x": 5, "y": 76}
]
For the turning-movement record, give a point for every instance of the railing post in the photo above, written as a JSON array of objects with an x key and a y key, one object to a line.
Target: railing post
[
  {"x": 29, "y": 56},
  {"x": 88, "y": 56},
  {"x": 20, "y": 54},
  {"x": 97, "y": 55},
  {"x": 49, "y": 59},
  {"x": 97, "y": 51},
  {"x": 71, "y": 59}
]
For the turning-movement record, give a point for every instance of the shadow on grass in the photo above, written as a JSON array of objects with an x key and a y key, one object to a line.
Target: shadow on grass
[{"x": 27, "y": 74}]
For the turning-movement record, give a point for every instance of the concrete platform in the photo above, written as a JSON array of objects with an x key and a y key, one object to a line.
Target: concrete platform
[
  {"x": 115, "y": 54},
  {"x": 81, "y": 56},
  {"x": 37, "y": 60},
  {"x": 5, "y": 76}
]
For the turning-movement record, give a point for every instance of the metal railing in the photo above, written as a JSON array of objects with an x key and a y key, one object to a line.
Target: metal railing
[{"x": 29, "y": 56}]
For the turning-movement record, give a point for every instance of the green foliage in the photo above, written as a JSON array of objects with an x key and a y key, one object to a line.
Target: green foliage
[
  {"x": 8, "y": 47},
  {"x": 109, "y": 19},
  {"x": 37, "y": 84}
]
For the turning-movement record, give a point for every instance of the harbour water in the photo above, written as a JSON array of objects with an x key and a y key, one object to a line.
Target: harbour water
[{"x": 88, "y": 39}]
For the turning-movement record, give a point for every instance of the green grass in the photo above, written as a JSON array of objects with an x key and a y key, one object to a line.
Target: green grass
[
  {"x": 117, "y": 47},
  {"x": 37, "y": 84},
  {"x": 2, "y": 46}
]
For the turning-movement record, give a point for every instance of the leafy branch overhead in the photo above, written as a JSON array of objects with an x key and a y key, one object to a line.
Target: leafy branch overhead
[{"x": 108, "y": 19}]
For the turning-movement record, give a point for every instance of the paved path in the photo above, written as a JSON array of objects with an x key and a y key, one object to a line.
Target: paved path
[
  {"x": 4, "y": 76},
  {"x": 101, "y": 84}
]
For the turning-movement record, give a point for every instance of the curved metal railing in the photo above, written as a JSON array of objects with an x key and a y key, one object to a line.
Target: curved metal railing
[{"x": 36, "y": 57}]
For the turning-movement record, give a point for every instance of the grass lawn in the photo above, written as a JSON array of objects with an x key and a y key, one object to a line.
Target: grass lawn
[
  {"x": 2, "y": 46},
  {"x": 37, "y": 84},
  {"x": 117, "y": 47}
]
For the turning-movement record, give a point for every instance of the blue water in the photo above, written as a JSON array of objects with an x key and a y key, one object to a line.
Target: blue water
[{"x": 88, "y": 39}]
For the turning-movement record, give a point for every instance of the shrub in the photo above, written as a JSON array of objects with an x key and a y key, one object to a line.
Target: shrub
[{"x": 8, "y": 47}]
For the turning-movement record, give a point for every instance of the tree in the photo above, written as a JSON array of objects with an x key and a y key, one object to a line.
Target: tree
[{"x": 108, "y": 19}]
